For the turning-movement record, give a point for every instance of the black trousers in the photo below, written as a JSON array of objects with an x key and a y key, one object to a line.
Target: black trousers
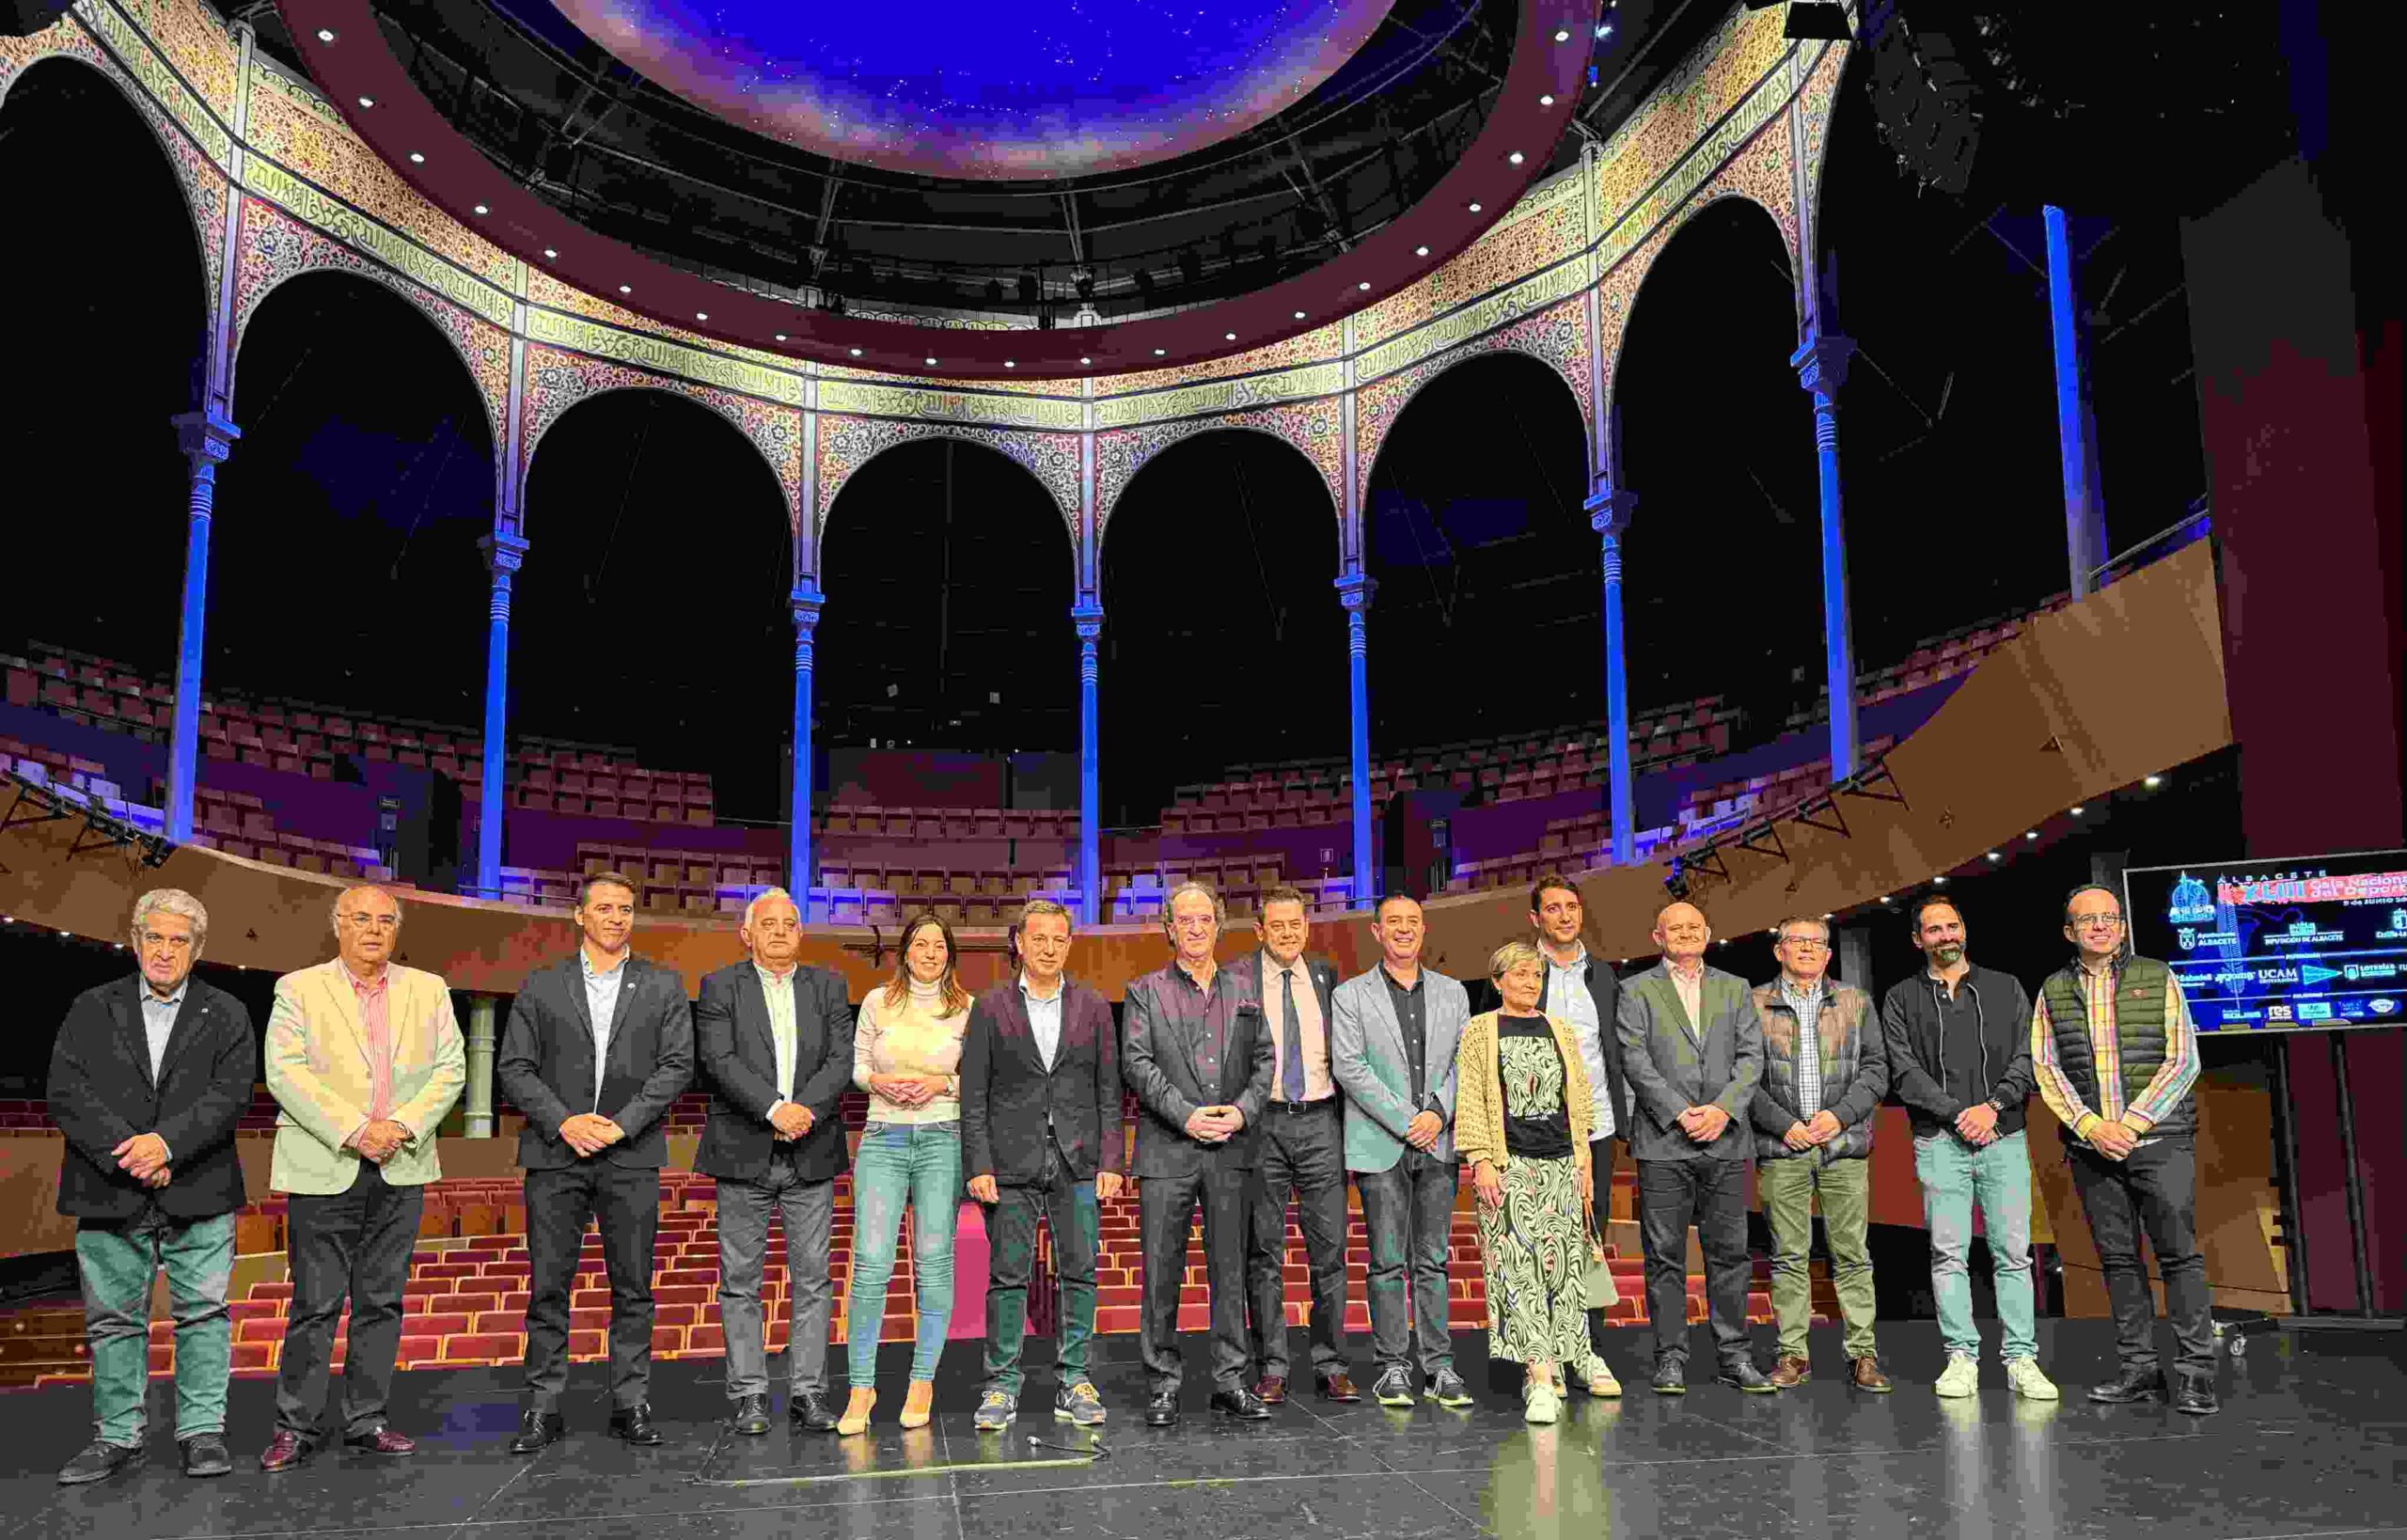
[
  {"x": 1601, "y": 1206},
  {"x": 2155, "y": 1187},
  {"x": 1303, "y": 1151},
  {"x": 624, "y": 1200},
  {"x": 1165, "y": 1208},
  {"x": 353, "y": 1245},
  {"x": 1712, "y": 1195}
]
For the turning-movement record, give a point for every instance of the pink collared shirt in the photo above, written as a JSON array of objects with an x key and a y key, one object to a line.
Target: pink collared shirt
[{"x": 376, "y": 1030}]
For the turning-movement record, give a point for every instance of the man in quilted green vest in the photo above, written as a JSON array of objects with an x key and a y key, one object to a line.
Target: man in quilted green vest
[{"x": 2117, "y": 1062}]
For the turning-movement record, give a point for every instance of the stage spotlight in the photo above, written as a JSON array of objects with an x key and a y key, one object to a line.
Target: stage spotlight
[
  {"x": 1677, "y": 883},
  {"x": 1028, "y": 288},
  {"x": 1144, "y": 279},
  {"x": 1190, "y": 266},
  {"x": 994, "y": 291},
  {"x": 1815, "y": 21}
]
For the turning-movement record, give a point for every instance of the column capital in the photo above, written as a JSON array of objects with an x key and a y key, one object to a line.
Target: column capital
[
  {"x": 1088, "y": 620},
  {"x": 807, "y": 601},
  {"x": 1354, "y": 590},
  {"x": 206, "y": 434},
  {"x": 1610, "y": 507},
  {"x": 504, "y": 553},
  {"x": 1821, "y": 363}
]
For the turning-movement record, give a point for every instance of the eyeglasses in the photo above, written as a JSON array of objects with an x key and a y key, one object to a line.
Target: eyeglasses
[
  {"x": 2096, "y": 923},
  {"x": 1804, "y": 943},
  {"x": 173, "y": 943},
  {"x": 371, "y": 922}
]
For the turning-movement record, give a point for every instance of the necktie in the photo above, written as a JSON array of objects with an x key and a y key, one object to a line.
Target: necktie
[{"x": 1291, "y": 1041}]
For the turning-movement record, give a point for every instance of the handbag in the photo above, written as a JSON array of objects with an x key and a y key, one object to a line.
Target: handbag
[{"x": 1596, "y": 1283}]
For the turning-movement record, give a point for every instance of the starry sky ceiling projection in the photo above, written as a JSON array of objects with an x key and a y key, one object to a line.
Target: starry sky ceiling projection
[{"x": 991, "y": 92}]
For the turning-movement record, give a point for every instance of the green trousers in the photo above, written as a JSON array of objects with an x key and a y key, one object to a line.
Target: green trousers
[
  {"x": 1789, "y": 1188},
  {"x": 118, "y": 1262}
]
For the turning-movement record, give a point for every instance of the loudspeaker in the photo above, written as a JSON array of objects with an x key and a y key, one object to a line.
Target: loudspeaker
[{"x": 1418, "y": 855}]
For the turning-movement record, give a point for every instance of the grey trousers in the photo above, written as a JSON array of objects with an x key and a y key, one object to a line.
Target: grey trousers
[{"x": 743, "y": 1210}]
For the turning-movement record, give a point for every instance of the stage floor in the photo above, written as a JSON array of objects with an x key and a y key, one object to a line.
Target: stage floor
[{"x": 2311, "y": 1441}]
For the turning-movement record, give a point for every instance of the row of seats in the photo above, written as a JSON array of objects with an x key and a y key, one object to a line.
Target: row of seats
[{"x": 955, "y": 824}]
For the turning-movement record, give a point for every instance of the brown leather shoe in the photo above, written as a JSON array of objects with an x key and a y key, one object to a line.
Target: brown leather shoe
[
  {"x": 1866, "y": 1376},
  {"x": 382, "y": 1440},
  {"x": 286, "y": 1449},
  {"x": 1272, "y": 1389},
  {"x": 1338, "y": 1387},
  {"x": 1790, "y": 1371}
]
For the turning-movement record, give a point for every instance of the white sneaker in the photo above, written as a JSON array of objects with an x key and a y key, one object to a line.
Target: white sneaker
[
  {"x": 1541, "y": 1403},
  {"x": 1962, "y": 1376},
  {"x": 1597, "y": 1378},
  {"x": 2028, "y": 1382}
]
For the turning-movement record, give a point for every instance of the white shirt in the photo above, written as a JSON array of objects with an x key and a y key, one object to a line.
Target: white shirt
[
  {"x": 1044, "y": 1018},
  {"x": 1691, "y": 989},
  {"x": 1566, "y": 996},
  {"x": 159, "y": 1020},
  {"x": 780, "y": 990},
  {"x": 601, "y": 1004}
]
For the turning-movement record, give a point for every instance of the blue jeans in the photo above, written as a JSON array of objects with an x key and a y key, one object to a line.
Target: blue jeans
[
  {"x": 1997, "y": 1176},
  {"x": 899, "y": 1163}
]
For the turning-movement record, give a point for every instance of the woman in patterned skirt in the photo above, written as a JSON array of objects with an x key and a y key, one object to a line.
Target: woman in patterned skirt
[{"x": 1521, "y": 1116}]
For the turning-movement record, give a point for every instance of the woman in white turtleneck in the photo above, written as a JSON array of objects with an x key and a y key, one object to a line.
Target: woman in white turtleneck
[{"x": 906, "y": 1054}]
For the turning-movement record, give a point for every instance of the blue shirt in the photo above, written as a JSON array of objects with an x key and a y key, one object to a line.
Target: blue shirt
[
  {"x": 159, "y": 1019},
  {"x": 601, "y": 1004},
  {"x": 1044, "y": 1018},
  {"x": 1566, "y": 996}
]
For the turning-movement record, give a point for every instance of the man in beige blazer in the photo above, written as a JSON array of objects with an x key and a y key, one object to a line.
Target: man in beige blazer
[{"x": 364, "y": 1059}]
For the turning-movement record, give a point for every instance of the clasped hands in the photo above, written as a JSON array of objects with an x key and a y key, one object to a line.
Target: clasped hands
[
  {"x": 909, "y": 1090},
  {"x": 1487, "y": 1181},
  {"x": 1978, "y": 1123},
  {"x": 2114, "y": 1141},
  {"x": 1806, "y": 1135},
  {"x": 1703, "y": 1124},
  {"x": 792, "y": 1121},
  {"x": 143, "y": 1157},
  {"x": 381, "y": 1141},
  {"x": 1214, "y": 1124},
  {"x": 591, "y": 1133},
  {"x": 984, "y": 1187}
]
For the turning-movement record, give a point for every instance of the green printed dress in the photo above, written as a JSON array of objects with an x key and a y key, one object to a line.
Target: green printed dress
[{"x": 1535, "y": 1244}]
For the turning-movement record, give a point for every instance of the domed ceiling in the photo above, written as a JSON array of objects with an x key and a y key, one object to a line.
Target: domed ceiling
[{"x": 986, "y": 92}]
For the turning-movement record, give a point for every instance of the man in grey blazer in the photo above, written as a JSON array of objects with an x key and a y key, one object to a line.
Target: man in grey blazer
[
  {"x": 598, "y": 1045},
  {"x": 1392, "y": 1041},
  {"x": 1692, "y": 1050}
]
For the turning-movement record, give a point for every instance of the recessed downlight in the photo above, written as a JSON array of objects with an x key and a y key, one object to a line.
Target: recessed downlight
[
  {"x": 702, "y": 315},
  {"x": 1546, "y": 100},
  {"x": 1299, "y": 315},
  {"x": 550, "y": 255},
  {"x": 781, "y": 337},
  {"x": 1513, "y": 159},
  {"x": 1086, "y": 360},
  {"x": 857, "y": 353},
  {"x": 1474, "y": 207},
  {"x": 482, "y": 210},
  {"x": 1562, "y": 36},
  {"x": 1364, "y": 286},
  {"x": 1228, "y": 337},
  {"x": 1161, "y": 353},
  {"x": 931, "y": 363},
  {"x": 1421, "y": 251},
  {"x": 326, "y": 35},
  {"x": 416, "y": 158},
  {"x": 1010, "y": 363},
  {"x": 625, "y": 288},
  {"x": 366, "y": 101}
]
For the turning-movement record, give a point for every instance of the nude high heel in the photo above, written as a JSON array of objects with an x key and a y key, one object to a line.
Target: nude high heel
[
  {"x": 857, "y": 1410},
  {"x": 917, "y": 1404}
]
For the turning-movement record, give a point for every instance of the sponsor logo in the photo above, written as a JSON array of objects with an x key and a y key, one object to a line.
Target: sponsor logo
[
  {"x": 2315, "y": 1011},
  {"x": 2381, "y": 1005},
  {"x": 2193, "y": 904},
  {"x": 2188, "y": 936},
  {"x": 2277, "y": 1012}
]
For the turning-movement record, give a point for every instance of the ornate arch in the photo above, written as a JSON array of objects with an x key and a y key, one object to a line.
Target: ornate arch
[
  {"x": 557, "y": 379},
  {"x": 1556, "y": 336},
  {"x": 1816, "y": 105},
  {"x": 276, "y": 248},
  {"x": 846, "y": 442},
  {"x": 1314, "y": 429},
  {"x": 205, "y": 187}
]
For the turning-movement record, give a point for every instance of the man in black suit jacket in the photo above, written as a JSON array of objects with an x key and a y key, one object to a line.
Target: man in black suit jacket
[
  {"x": 1583, "y": 991},
  {"x": 148, "y": 1078},
  {"x": 1302, "y": 1150},
  {"x": 1200, "y": 1063},
  {"x": 1041, "y": 1135},
  {"x": 597, "y": 1046},
  {"x": 776, "y": 1043}
]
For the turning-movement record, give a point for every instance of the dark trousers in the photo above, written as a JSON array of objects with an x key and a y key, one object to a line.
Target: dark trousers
[
  {"x": 1069, "y": 1206},
  {"x": 1408, "y": 1210},
  {"x": 626, "y": 1201},
  {"x": 1165, "y": 1208},
  {"x": 2155, "y": 1187},
  {"x": 351, "y": 1245},
  {"x": 806, "y": 1210},
  {"x": 1712, "y": 1195},
  {"x": 1601, "y": 1206},
  {"x": 1303, "y": 1151}
]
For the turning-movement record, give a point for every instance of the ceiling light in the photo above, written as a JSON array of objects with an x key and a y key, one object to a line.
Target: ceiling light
[
  {"x": 1010, "y": 363},
  {"x": 624, "y": 289},
  {"x": 2076, "y": 810},
  {"x": 1995, "y": 857},
  {"x": 857, "y": 353},
  {"x": 1886, "y": 899},
  {"x": 416, "y": 158},
  {"x": 1940, "y": 879},
  {"x": 1546, "y": 101},
  {"x": 932, "y": 363},
  {"x": 1421, "y": 251},
  {"x": 1365, "y": 285},
  {"x": 1299, "y": 315},
  {"x": 2030, "y": 834},
  {"x": 1513, "y": 158},
  {"x": 1228, "y": 337},
  {"x": 1161, "y": 353},
  {"x": 482, "y": 209},
  {"x": 1086, "y": 360},
  {"x": 1474, "y": 207},
  {"x": 324, "y": 36},
  {"x": 1562, "y": 37},
  {"x": 702, "y": 315},
  {"x": 1604, "y": 29},
  {"x": 781, "y": 337},
  {"x": 2152, "y": 780},
  {"x": 550, "y": 254},
  {"x": 366, "y": 101}
]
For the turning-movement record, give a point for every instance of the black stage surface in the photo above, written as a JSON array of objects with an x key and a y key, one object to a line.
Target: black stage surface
[{"x": 2312, "y": 1441}]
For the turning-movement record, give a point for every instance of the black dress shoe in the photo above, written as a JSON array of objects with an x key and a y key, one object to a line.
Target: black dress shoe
[
  {"x": 1743, "y": 1373},
  {"x": 2134, "y": 1385},
  {"x": 537, "y": 1430},
  {"x": 1240, "y": 1403},
  {"x": 381, "y": 1440},
  {"x": 751, "y": 1415},
  {"x": 812, "y": 1411},
  {"x": 205, "y": 1454},
  {"x": 98, "y": 1462},
  {"x": 2195, "y": 1395},
  {"x": 635, "y": 1425},
  {"x": 1162, "y": 1411},
  {"x": 1671, "y": 1374}
]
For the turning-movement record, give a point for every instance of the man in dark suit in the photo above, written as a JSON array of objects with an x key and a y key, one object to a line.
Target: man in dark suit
[
  {"x": 1040, "y": 1136},
  {"x": 147, "y": 1079},
  {"x": 597, "y": 1046},
  {"x": 776, "y": 1043},
  {"x": 1200, "y": 1063},
  {"x": 1584, "y": 992},
  {"x": 1693, "y": 1049},
  {"x": 1303, "y": 1150}
]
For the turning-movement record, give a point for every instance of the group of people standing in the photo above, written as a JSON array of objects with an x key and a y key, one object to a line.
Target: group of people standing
[{"x": 1258, "y": 1081}]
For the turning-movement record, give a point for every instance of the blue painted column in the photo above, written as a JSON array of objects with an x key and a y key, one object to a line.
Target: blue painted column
[
  {"x": 205, "y": 437},
  {"x": 2076, "y": 429},
  {"x": 504, "y": 554},
  {"x": 1609, "y": 512},
  {"x": 1354, "y": 592},
  {"x": 1087, "y": 618},
  {"x": 807, "y": 600},
  {"x": 1821, "y": 369}
]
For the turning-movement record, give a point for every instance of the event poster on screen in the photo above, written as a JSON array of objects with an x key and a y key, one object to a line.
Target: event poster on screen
[{"x": 2279, "y": 945}]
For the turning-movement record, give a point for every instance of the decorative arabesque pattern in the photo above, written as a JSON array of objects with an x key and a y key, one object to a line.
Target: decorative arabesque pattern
[
  {"x": 847, "y": 443},
  {"x": 1557, "y": 338},
  {"x": 1315, "y": 428},
  {"x": 557, "y": 379},
  {"x": 275, "y": 246}
]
